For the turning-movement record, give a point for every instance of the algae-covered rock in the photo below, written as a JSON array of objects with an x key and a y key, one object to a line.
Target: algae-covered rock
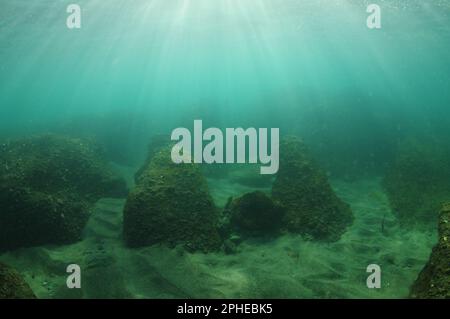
[
  {"x": 434, "y": 279},
  {"x": 31, "y": 218},
  {"x": 255, "y": 213},
  {"x": 12, "y": 285},
  {"x": 52, "y": 163},
  {"x": 418, "y": 181},
  {"x": 171, "y": 204},
  {"x": 47, "y": 184},
  {"x": 312, "y": 208}
]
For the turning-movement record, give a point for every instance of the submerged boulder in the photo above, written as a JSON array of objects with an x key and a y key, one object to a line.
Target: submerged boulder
[
  {"x": 312, "y": 208},
  {"x": 12, "y": 285},
  {"x": 255, "y": 214},
  {"x": 171, "y": 204},
  {"x": 52, "y": 163},
  {"x": 434, "y": 280},
  {"x": 31, "y": 218},
  {"x": 418, "y": 181},
  {"x": 47, "y": 184}
]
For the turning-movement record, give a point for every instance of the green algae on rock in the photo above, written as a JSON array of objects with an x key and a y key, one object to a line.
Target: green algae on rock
[
  {"x": 12, "y": 285},
  {"x": 255, "y": 213},
  {"x": 434, "y": 280},
  {"x": 53, "y": 163},
  {"x": 312, "y": 207},
  {"x": 47, "y": 184},
  {"x": 171, "y": 204},
  {"x": 418, "y": 182},
  {"x": 31, "y": 218}
]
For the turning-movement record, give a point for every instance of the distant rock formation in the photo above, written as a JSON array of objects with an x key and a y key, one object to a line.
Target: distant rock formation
[
  {"x": 434, "y": 280},
  {"x": 171, "y": 204},
  {"x": 312, "y": 207},
  {"x": 12, "y": 285},
  {"x": 418, "y": 181},
  {"x": 47, "y": 184},
  {"x": 255, "y": 214}
]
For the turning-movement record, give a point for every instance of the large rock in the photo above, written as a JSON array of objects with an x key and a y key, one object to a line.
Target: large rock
[
  {"x": 47, "y": 184},
  {"x": 171, "y": 204},
  {"x": 418, "y": 181},
  {"x": 255, "y": 214},
  {"x": 53, "y": 163},
  {"x": 31, "y": 218},
  {"x": 434, "y": 279},
  {"x": 312, "y": 208},
  {"x": 12, "y": 285}
]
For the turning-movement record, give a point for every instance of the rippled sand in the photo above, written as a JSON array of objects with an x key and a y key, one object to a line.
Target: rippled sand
[{"x": 286, "y": 267}]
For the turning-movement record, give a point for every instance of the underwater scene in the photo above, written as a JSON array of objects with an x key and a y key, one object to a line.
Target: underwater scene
[{"x": 172, "y": 149}]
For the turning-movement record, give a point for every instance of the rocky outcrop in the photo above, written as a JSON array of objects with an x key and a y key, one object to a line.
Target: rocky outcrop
[
  {"x": 255, "y": 214},
  {"x": 12, "y": 285},
  {"x": 171, "y": 204},
  {"x": 47, "y": 184},
  {"x": 312, "y": 207},
  {"x": 31, "y": 218},
  {"x": 434, "y": 280}
]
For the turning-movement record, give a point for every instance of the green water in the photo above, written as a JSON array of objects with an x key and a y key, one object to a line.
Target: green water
[
  {"x": 311, "y": 68},
  {"x": 268, "y": 62}
]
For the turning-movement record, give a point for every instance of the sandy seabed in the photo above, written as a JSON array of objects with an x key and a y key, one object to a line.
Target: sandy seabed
[{"x": 285, "y": 267}]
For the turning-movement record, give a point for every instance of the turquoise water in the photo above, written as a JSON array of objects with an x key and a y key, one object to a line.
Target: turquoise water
[
  {"x": 269, "y": 62},
  {"x": 311, "y": 68}
]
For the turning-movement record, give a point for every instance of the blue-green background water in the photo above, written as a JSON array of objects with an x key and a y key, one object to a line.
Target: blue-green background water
[
  {"x": 141, "y": 67},
  {"x": 311, "y": 67}
]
